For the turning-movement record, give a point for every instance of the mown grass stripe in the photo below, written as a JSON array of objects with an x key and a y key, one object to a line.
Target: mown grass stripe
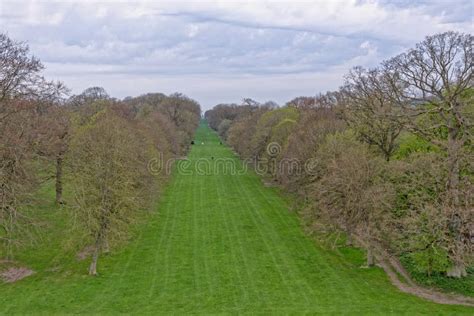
[{"x": 219, "y": 244}]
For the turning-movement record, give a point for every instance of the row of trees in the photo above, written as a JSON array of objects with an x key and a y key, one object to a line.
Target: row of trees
[
  {"x": 387, "y": 159},
  {"x": 95, "y": 149}
]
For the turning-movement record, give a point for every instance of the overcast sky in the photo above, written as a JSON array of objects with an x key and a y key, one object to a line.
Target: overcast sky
[{"x": 222, "y": 51}]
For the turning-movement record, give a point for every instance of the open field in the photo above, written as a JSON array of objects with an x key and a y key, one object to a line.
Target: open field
[{"x": 218, "y": 243}]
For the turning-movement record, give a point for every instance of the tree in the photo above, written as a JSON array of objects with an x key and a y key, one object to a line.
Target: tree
[
  {"x": 20, "y": 77},
  {"x": 310, "y": 132},
  {"x": 222, "y": 112},
  {"x": 242, "y": 130},
  {"x": 24, "y": 96},
  {"x": 18, "y": 71},
  {"x": 89, "y": 96},
  {"x": 178, "y": 114},
  {"x": 267, "y": 125},
  {"x": 369, "y": 109},
  {"x": 422, "y": 223},
  {"x": 53, "y": 141},
  {"x": 429, "y": 83},
  {"x": 224, "y": 128},
  {"x": 302, "y": 102},
  {"x": 110, "y": 180},
  {"x": 175, "y": 107},
  {"x": 17, "y": 175},
  {"x": 184, "y": 113},
  {"x": 430, "y": 80},
  {"x": 350, "y": 193}
]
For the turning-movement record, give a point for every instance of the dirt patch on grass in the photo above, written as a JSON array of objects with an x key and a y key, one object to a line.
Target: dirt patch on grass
[
  {"x": 400, "y": 278},
  {"x": 429, "y": 294},
  {"x": 85, "y": 253},
  {"x": 15, "y": 274},
  {"x": 269, "y": 183}
]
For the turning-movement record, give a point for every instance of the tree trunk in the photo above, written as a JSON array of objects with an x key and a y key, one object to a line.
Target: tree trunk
[
  {"x": 454, "y": 146},
  {"x": 106, "y": 246},
  {"x": 370, "y": 257},
  {"x": 95, "y": 258},
  {"x": 387, "y": 154},
  {"x": 59, "y": 179},
  {"x": 349, "y": 240},
  {"x": 457, "y": 271}
]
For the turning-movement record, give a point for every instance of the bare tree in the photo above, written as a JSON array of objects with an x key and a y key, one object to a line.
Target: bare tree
[
  {"x": 313, "y": 126},
  {"x": 18, "y": 71},
  {"x": 109, "y": 179},
  {"x": 242, "y": 130},
  {"x": 175, "y": 107},
  {"x": 89, "y": 96},
  {"x": 20, "y": 77},
  {"x": 369, "y": 109},
  {"x": 54, "y": 133},
  {"x": 24, "y": 96},
  {"x": 17, "y": 175},
  {"x": 350, "y": 193}
]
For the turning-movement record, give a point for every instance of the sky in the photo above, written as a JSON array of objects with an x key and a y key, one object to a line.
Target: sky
[{"x": 222, "y": 51}]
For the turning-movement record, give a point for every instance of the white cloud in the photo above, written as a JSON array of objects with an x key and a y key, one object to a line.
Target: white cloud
[{"x": 219, "y": 50}]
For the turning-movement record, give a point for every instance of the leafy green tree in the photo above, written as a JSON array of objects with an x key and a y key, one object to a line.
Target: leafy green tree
[{"x": 267, "y": 127}]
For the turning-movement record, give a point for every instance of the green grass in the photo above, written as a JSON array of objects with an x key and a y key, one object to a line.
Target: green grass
[
  {"x": 218, "y": 243},
  {"x": 464, "y": 286}
]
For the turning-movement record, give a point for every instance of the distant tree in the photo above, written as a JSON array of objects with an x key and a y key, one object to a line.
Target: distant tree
[
  {"x": 222, "y": 112},
  {"x": 163, "y": 132},
  {"x": 146, "y": 102},
  {"x": 177, "y": 114},
  {"x": 243, "y": 128},
  {"x": 267, "y": 126},
  {"x": 302, "y": 102},
  {"x": 175, "y": 107},
  {"x": 224, "y": 128},
  {"x": 89, "y": 96},
  {"x": 269, "y": 104},
  {"x": 329, "y": 99},
  {"x": 313, "y": 126},
  {"x": 250, "y": 102},
  {"x": 184, "y": 113}
]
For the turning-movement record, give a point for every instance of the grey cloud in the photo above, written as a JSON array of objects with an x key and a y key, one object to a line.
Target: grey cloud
[{"x": 219, "y": 50}]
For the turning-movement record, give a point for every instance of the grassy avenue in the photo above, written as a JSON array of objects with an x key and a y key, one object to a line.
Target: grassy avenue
[{"x": 217, "y": 243}]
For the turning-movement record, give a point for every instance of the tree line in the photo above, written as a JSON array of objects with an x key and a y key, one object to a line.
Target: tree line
[
  {"x": 387, "y": 159},
  {"x": 93, "y": 147}
]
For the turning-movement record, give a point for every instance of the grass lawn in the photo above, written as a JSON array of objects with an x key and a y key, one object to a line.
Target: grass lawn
[{"x": 218, "y": 243}]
